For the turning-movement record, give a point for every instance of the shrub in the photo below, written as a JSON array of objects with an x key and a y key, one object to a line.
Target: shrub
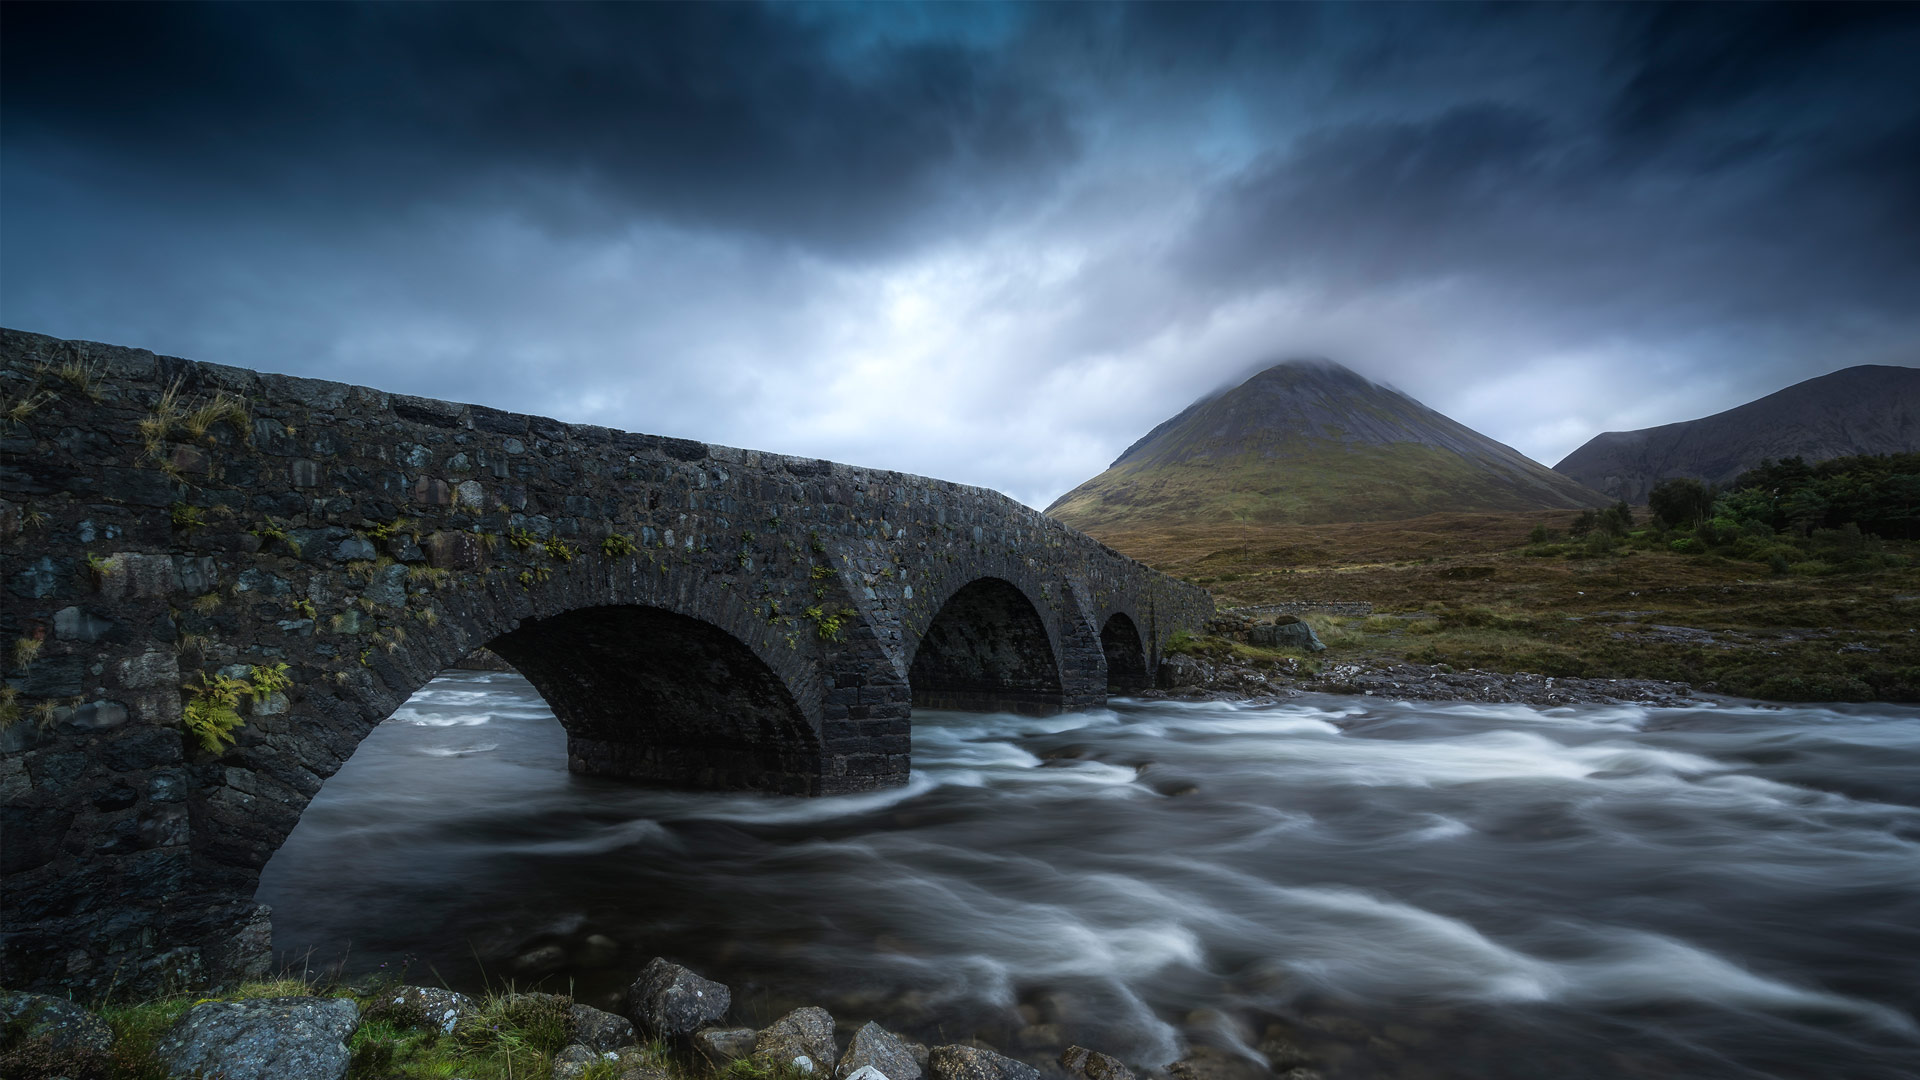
[
  {"x": 1680, "y": 501},
  {"x": 1687, "y": 545}
]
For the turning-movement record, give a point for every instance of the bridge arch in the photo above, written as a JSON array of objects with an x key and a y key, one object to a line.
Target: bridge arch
[
  {"x": 655, "y": 675},
  {"x": 1125, "y": 652},
  {"x": 645, "y": 693},
  {"x": 987, "y": 648}
]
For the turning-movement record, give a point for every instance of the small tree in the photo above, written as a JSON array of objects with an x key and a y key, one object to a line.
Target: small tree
[
  {"x": 1584, "y": 524},
  {"x": 1680, "y": 502},
  {"x": 1616, "y": 520}
]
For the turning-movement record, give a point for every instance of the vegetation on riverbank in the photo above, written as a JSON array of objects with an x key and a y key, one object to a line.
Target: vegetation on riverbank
[
  {"x": 1813, "y": 615},
  {"x": 512, "y": 1036}
]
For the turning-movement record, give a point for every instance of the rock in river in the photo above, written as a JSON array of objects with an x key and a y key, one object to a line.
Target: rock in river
[
  {"x": 598, "y": 1030},
  {"x": 1084, "y": 1064},
  {"x": 881, "y": 1049},
  {"x": 668, "y": 1000},
  {"x": 802, "y": 1040},
  {"x": 955, "y": 1062}
]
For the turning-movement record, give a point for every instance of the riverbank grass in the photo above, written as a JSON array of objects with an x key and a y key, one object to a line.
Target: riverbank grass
[
  {"x": 1483, "y": 591},
  {"x": 512, "y": 1036}
]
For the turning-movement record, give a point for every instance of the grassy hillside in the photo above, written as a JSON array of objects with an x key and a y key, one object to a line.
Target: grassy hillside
[
  {"x": 1472, "y": 590},
  {"x": 1318, "y": 481}
]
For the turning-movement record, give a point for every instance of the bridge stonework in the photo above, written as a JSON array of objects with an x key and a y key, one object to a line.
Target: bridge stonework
[{"x": 695, "y": 615}]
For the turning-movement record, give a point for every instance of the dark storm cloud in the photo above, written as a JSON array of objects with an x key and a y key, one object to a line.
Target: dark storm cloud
[
  {"x": 727, "y": 116},
  {"x": 1692, "y": 68},
  {"x": 1642, "y": 219}
]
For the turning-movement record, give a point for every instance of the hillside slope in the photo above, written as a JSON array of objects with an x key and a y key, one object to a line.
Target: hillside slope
[
  {"x": 1869, "y": 409},
  {"x": 1310, "y": 441}
]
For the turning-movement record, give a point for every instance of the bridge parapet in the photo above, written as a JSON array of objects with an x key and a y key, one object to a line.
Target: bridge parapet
[{"x": 173, "y": 532}]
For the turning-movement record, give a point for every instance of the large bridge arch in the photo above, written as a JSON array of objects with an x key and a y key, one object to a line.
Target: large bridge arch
[
  {"x": 648, "y": 694},
  {"x": 987, "y": 648},
  {"x": 163, "y": 520},
  {"x": 656, "y": 676}
]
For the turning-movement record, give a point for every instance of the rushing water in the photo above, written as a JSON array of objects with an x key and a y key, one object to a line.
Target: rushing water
[{"x": 1403, "y": 889}]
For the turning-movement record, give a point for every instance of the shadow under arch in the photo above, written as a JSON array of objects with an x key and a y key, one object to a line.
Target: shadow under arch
[
  {"x": 653, "y": 695},
  {"x": 1126, "y": 655},
  {"x": 987, "y": 650}
]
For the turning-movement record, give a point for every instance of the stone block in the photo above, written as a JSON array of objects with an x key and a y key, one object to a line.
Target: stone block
[
  {"x": 55, "y": 677},
  {"x": 262, "y": 583},
  {"x": 453, "y": 550},
  {"x": 195, "y": 574},
  {"x": 139, "y": 748},
  {"x": 39, "y": 578},
  {"x": 430, "y": 492},
  {"x": 155, "y": 667},
  {"x": 98, "y": 716},
  {"x": 78, "y": 624}
]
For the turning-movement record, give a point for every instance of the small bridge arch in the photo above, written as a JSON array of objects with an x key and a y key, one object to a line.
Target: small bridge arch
[{"x": 1126, "y": 654}]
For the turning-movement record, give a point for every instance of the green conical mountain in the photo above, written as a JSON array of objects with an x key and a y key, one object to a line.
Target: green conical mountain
[{"x": 1309, "y": 441}]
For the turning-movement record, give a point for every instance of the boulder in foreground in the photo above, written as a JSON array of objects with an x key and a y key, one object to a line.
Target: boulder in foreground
[
  {"x": 289, "y": 1038},
  {"x": 667, "y": 1000}
]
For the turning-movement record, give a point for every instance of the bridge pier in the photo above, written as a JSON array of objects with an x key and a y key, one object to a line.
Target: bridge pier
[{"x": 218, "y": 581}]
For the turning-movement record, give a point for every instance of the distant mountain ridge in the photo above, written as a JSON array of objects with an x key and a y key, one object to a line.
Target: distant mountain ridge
[
  {"x": 1870, "y": 409},
  {"x": 1310, "y": 441}
]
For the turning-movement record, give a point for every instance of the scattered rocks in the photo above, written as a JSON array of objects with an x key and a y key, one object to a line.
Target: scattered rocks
[
  {"x": 875, "y": 1047},
  {"x": 802, "y": 1039},
  {"x": 1084, "y": 1064},
  {"x": 539, "y": 960},
  {"x": 61, "y": 1023},
  {"x": 957, "y": 1062},
  {"x": 291, "y": 1038},
  {"x": 722, "y": 1045},
  {"x": 1233, "y": 678},
  {"x": 668, "y": 1000},
  {"x": 598, "y": 1030},
  {"x": 1285, "y": 632},
  {"x": 438, "y": 1009}
]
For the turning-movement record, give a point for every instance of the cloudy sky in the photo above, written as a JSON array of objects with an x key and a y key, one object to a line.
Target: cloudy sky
[{"x": 989, "y": 243}]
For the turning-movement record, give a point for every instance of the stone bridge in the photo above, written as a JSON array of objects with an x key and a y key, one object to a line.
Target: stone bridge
[{"x": 174, "y": 532}]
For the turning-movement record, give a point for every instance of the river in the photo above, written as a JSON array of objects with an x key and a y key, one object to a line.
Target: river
[{"x": 1398, "y": 889}]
